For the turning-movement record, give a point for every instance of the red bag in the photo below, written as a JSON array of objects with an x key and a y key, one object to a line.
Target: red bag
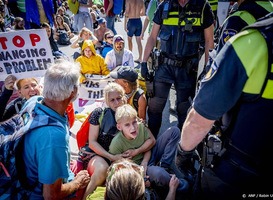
[
  {"x": 82, "y": 135},
  {"x": 70, "y": 114}
]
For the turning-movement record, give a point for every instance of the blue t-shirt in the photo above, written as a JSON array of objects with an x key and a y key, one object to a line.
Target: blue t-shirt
[{"x": 47, "y": 152}]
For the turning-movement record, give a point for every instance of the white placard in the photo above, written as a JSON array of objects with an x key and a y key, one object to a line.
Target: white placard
[
  {"x": 92, "y": 89},
  {"x": 24, "y": 54}
]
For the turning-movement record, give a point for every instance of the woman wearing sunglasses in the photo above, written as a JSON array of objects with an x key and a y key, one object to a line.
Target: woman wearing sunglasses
[{"x": 108, "y": 45}]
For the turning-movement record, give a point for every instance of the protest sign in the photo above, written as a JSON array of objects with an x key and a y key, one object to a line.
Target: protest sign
[
  {"x": 92, "y": 89},
  {"x": 24, "y": 54}
]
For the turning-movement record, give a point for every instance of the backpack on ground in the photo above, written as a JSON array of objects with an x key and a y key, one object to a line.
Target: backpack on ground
[
  {"x": 13, "y": 179},
  {"x": 63, "y": 39}
]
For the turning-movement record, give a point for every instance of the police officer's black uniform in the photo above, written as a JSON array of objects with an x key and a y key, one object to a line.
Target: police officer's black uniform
[
  {"x": 241, "y": 90},
  {"x": 181, "y": 32}
]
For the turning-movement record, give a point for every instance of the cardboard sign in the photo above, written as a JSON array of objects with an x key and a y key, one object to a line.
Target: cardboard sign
[
  {"x": 92, "y": 89},
  {"x": 24, "y": 54}
]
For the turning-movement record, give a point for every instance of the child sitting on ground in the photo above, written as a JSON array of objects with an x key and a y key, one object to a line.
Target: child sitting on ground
[
  {"x": 91, "y": 62},
  {"x": 156, "y": 164}
]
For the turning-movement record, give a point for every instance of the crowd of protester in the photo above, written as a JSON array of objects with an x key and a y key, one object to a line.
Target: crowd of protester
[
  {"x": 119, "y": 158},
  {"x": 98, "y": 50}
]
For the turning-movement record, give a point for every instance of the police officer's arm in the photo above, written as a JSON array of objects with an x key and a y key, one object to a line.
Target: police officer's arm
[
  {"x": 151, "y": 41},
  {"x": 195, "y": 128},
  {"x": 209, "y": 42}
]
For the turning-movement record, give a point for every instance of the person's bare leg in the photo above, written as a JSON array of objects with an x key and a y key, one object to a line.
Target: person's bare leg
[
  {"x": 97, "y": 168},
  {"x": 130, "y": 43},
  {"x": 139, "y": 46}
]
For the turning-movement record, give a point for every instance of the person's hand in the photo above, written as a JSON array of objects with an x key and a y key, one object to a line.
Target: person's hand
[
  {"x": 82, "y": 179},
  {"x": 144, "y": 70},
  {"x": 174, "y": 182},
  {"x": 118, "y": 157},
  {"x": 9, "y": 82},
  {"x": 147, "y": 181},
  {"x": 125, "y": 28},
  {"x": 142, "y": 36},
  {"x": 84, "y": 81},
  {"x": 130, "y": 153}
]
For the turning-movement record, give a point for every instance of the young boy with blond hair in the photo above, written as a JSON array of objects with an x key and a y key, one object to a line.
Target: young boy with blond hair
[{"x": 132, "y": 134}]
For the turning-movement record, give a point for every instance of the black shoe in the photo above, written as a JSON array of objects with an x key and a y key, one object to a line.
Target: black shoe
[{"x": 184, "y": 161}]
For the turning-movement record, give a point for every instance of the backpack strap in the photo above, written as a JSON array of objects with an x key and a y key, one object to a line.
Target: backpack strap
[
  {"x": 138, "y": 93},
  {"x": 101, "y": 117}
]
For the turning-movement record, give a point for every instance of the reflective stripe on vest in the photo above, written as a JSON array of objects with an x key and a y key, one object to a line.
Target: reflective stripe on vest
[
  {"x": 246, "y": 16},
  {"x": 173, "y": 20},
  {"x": 249, "y": 15},
  {"x": 213, "y": 4},
  {"x": 268, "y": 91}
]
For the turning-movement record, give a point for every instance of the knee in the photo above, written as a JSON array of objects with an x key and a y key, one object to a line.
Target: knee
[
  {"x": 175, "y": 132},
  {"x": 156, "y": 105},
  {"x": 182, "y": 107},
  {"x": 158, "y": 176},
  {"x": 97, "y": 166}
]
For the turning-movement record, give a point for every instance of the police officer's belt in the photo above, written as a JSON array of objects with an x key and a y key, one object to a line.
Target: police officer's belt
[{"x": 175, "y": 63}]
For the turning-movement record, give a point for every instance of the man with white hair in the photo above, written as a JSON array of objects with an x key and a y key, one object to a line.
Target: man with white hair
[{"x": 46, "y": 151}]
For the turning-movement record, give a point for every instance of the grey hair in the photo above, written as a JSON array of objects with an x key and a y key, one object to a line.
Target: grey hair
[{"x": 60, "y": 79}]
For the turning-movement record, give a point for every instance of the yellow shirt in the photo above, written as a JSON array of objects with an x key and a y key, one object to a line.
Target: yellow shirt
[{"x": 93, "y": 65}]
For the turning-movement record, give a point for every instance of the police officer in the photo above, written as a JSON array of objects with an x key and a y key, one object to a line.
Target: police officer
[
  {"x": 182, "y": 25},
  {"x": 247, "y": 13},
  {"x": 241, "y": 88}
]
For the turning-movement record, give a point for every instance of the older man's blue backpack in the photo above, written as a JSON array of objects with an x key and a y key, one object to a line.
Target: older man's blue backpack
[{"x": 13, "y": 180}]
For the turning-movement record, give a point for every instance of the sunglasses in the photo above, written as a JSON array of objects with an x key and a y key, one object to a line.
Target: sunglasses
[
  {"x": 109, "y": 37},
  {"x": 124, "y": 165}
]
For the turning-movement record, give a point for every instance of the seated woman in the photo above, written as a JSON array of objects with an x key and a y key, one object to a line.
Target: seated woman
[
  {"x": 53, "y": 44},
  {"x": 91, "y": 62},
  {"x": 102, "y": 129},
  {"x": 19, "y": 23},
  {"x": 27, "y": 88},
  {"x": 108, "y": 44},
  {"x": 62, "y": 28},
  {"x": 127, "y": 78}
]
